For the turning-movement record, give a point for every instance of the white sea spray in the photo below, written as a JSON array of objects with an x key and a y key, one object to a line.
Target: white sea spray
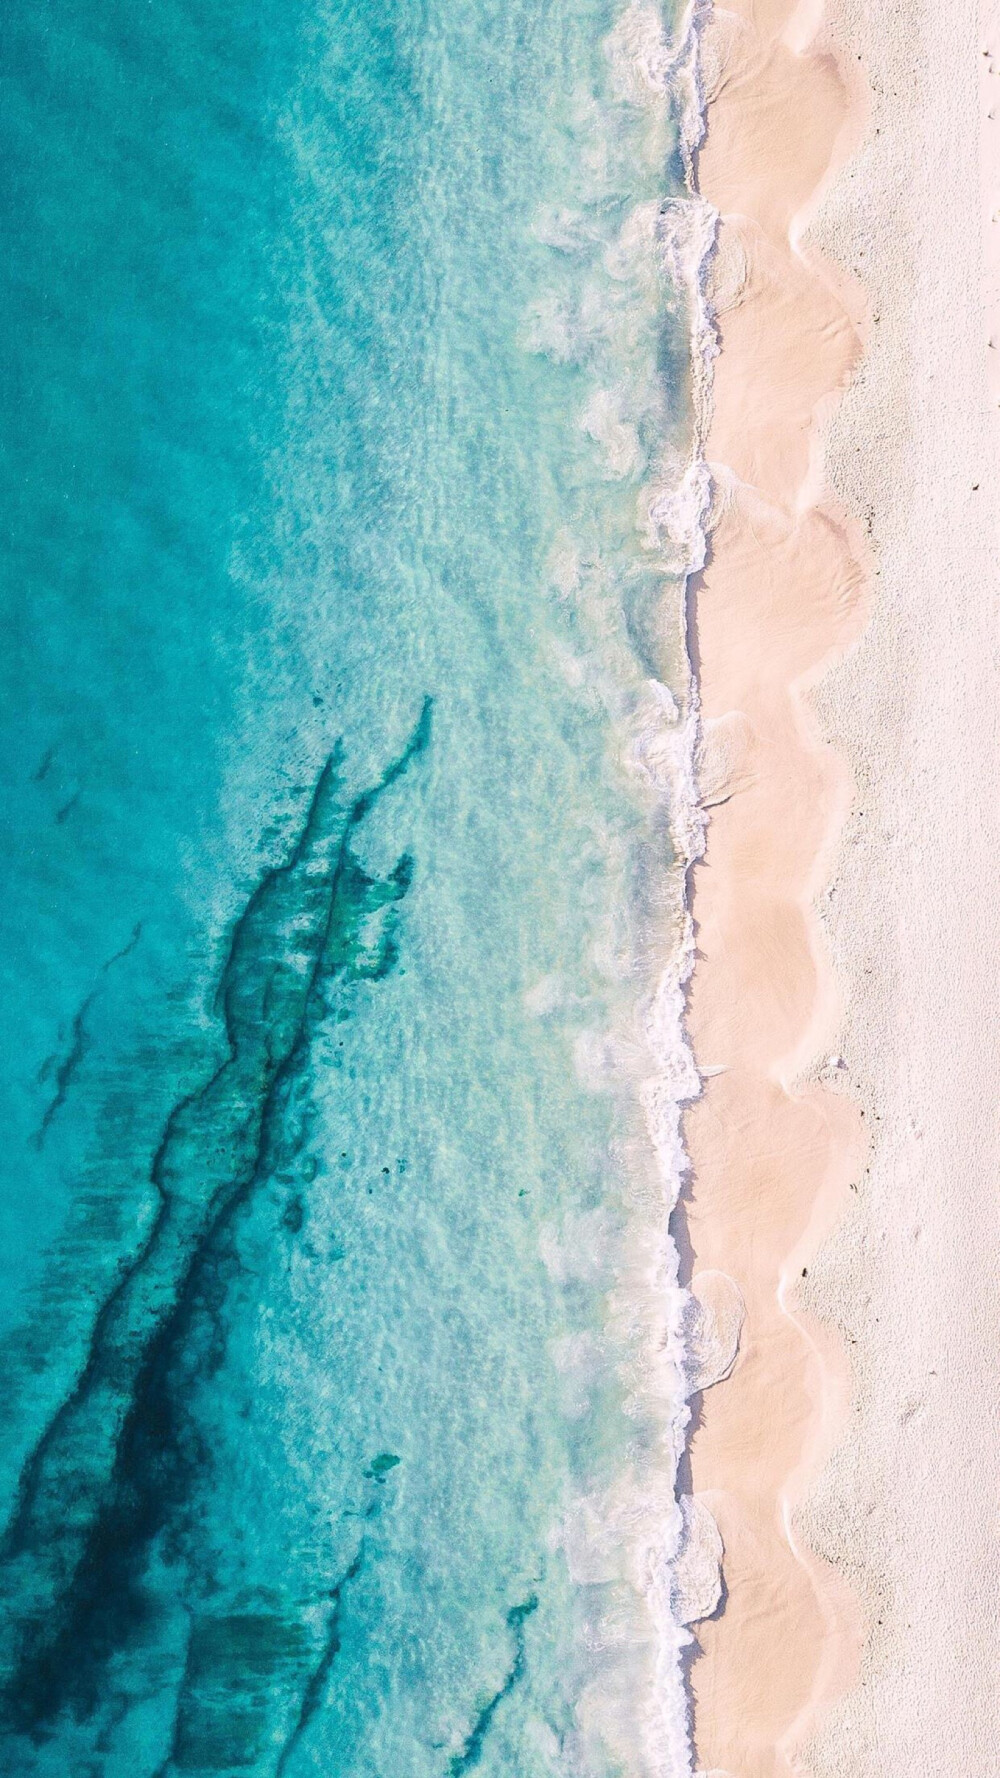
[{"x": 648, "y": 1561}]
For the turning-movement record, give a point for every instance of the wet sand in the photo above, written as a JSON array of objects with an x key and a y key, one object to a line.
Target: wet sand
[
  {"x": 847, "y": 1160},
  {"x": 774, "y": 1150}
]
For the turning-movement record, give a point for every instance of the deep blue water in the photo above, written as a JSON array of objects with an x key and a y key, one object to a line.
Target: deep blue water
[{"x": 338, "y": 355}]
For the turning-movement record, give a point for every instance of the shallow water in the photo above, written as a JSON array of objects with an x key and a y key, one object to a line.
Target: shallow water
[{"x": 346, "y": 352}]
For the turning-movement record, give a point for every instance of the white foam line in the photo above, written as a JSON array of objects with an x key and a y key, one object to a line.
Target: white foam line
[
  {"x": 641, "y": 1524},
  {"x": 689, "y": 236}
]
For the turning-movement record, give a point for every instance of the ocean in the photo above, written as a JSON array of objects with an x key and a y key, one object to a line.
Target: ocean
[{"x": 350, "y": 414}]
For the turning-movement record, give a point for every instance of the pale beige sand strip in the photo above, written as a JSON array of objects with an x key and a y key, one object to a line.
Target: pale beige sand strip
[
  {"x": 773, "y": 1155},
  {"x": 910, "y": 1507}
]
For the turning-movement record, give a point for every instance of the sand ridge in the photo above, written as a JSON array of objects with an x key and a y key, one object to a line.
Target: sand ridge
[{"x": 774, "y": 1149}]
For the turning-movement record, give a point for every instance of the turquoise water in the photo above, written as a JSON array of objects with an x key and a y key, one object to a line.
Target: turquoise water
[{"x": 346, "y": 397}]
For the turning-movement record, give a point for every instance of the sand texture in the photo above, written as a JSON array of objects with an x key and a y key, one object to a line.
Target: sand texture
[
  {"x": 774, "y": 1148},
  {"x": 847, "y": 1159},
  {"x": 909, "y": 1507}
]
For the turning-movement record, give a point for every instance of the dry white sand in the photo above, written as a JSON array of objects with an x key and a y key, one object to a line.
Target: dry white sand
[{"x": 909, "y": 1509}]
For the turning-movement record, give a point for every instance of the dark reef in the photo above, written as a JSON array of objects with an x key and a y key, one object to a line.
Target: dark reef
[
  {"x": 471, "y": 1753},
  {"x": 115, "y": 1463}
]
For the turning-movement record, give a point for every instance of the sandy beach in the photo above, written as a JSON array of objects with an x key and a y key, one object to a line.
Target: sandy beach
[
  {"x": 773, "y": 1152},
  {"x": 845, "y": 1151},
  {"x": 909, "y": 1508}
]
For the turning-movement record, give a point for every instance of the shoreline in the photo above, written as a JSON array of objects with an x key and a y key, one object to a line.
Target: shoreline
[{"x": 782, "y": 596}]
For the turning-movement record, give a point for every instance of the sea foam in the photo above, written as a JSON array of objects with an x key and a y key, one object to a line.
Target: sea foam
[
  {"x": 648, "y": 1562},
  {"x": 409, "y": 1495}
]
